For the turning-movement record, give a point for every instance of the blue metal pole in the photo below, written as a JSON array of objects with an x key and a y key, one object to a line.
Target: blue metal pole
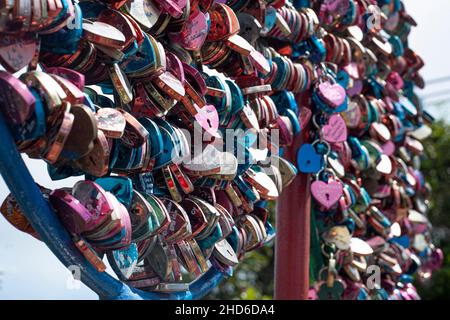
[{"x": 54, "y": 235}]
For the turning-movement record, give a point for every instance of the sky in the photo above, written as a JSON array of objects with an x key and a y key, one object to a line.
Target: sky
[
  {"x": 28, "y": 270},
  {"x": 430, "y": 40}
]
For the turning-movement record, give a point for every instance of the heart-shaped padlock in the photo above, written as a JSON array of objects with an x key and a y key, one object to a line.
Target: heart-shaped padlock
[
  {"x": 335, "y": 130},
  {"x": 327, "y": 194},
  {"x": 308, "y": 160},
  {"x": 333, "y": 94}
]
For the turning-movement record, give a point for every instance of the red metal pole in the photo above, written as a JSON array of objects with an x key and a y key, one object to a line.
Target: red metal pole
[{"x": 293, "y": 235}]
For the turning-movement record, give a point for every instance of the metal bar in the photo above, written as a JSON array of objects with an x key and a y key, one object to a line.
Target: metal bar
[
  {"x": 293, "y": 235},
  {"x": 197, "y": 289},
  {"x": 54, "y": 235},
  {"x": 42, "y": 218}
]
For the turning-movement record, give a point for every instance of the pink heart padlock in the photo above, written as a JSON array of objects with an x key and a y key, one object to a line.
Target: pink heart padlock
[
  {"x": 388, "y": 148},
  {"x": 194, "y": 32},
  {"x": 327, "y": 194},
  {"x": 312, "y": 294},
  {"x": 208, "y": 118},
  {"x": 174, "y": 8},
  {"x": 337, "y": 7},
  {"x": 352, "y": 70},
  {"x": 333, "y": 94},
  {"x": 412, "y": 292},
  {"x": 335, "y": 130},
  {"x": 395, "y": 80}
]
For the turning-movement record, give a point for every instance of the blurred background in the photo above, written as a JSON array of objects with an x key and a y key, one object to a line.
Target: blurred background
[{"x": 28, "y": 270}]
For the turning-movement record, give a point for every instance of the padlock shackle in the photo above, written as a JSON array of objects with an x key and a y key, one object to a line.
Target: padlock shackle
[{"x": 45, "y": 222}]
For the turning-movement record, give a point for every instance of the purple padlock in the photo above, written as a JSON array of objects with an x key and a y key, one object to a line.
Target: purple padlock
[
  {"x": 72, "y": 213},
  {"x": 73, "y": 76},
  {"x": 94, "y": 198},
  {"x": 16, "y": 101},
  {"x": 194, "y": 32}
]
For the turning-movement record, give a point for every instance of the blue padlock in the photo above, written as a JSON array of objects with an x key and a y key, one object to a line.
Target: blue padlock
[
  {"x": 105, "y": 102},
  {"x": 408, "y": 106},
  {"x": 92, "y": 9},
  {"x": 62, "y": 172},
  {"x": 293, "y": 118},
  {"x": 120, "y": 187},
  {"x": 317, "y": 50},
  {"x": 35, "y": 127},
  {"x": 404, "y": 241},
  {"x": 123, "y": 261},
  {"x": 207, "y": 244},
  {"x": 165, "y": 157},
  {"x": 270, "y": 231},
  {"x": 144, "y": 57},
  {"x": 143, "y": 182},
  {"x": 154, "y": 134},
  {"x": 137, "y": 162},
  {"x": 125, "y": 157},
  {"x": 246, "y": 158},
  {"x": 65, "y": 40},
  {"x": 245, "y": 188},
  {"x": 131, "y": 50},
  {"x": 376, "y": 87},
  {"x": 362, "y": 295},
  {"x": 281, "y": 72},
  {"x": 270, "y": 18},
  {"x": 350, "y": 224},
  {"x": 177, "y": 150},
  {"x": 285, "y": 100},
  {"x": 350, "y": 14},
  {"x": 233, "y": 238},
  {"x": 237, "y": 97},
  {"x": 308, "y": 160},
  {"x": 343, "y": 78}
]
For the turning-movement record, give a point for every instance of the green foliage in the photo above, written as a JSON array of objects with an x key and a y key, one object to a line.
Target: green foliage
[
  {"x": 436, "y": 167},
  {"x": 253, "y": 279},
  {"x": 439, "y": 285}
]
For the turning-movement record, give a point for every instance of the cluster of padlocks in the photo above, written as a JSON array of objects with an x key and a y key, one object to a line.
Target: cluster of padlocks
[{"x": 175, "y": 114}]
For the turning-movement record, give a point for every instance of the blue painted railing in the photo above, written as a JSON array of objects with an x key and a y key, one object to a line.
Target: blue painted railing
[{"x": 47, "y": 225}]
